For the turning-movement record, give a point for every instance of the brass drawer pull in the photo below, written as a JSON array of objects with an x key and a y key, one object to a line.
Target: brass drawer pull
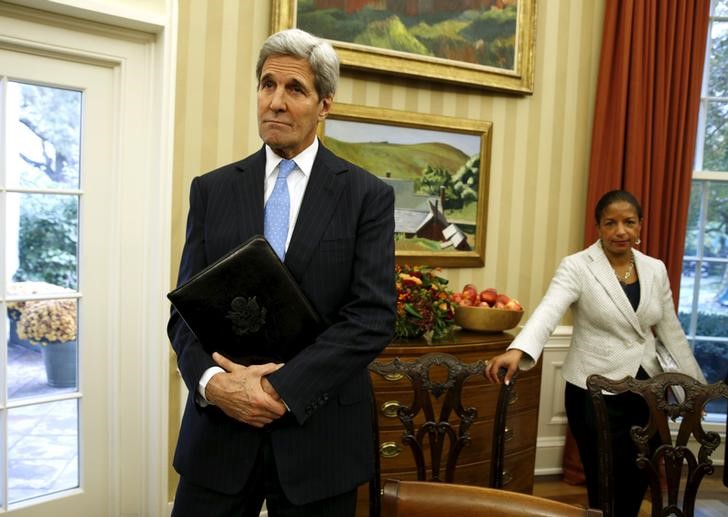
[
  {"x": 394, "y": 376},
  {"x": 389, "y": 449},
  {"x": 513, "y": 398},
  {"x": 389, "y": 408},
  {"x": 507, "y": 477},
  {"x": 508, "y": 434}
]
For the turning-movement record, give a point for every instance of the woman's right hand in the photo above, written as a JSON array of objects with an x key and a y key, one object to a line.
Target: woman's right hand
[{"x": 508, "y": 360}]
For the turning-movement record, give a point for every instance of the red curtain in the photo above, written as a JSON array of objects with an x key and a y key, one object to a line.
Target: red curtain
[
  {"x": 646, "y": 117},
  {"x": 645, "y": 123}
]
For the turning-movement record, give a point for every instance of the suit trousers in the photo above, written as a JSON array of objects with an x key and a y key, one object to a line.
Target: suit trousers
[
  {"x": 263, "y": 484},
  {"x": 625, "y": 410}
]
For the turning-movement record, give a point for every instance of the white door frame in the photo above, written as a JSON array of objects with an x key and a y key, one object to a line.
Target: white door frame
[{"x": 141, "y": 172}]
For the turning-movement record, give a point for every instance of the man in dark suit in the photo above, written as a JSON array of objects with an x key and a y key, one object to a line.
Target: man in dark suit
[{"x": 294, "y": 434}]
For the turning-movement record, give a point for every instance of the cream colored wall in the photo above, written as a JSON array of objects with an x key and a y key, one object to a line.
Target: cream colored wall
[
  {"x": 146, "y": 15},
  {"x": 541, "y": 142}
]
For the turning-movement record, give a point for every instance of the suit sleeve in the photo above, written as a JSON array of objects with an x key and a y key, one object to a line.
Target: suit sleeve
[
  {"x": 192, "y": 360},
  {"x": 364, "y": 325}
]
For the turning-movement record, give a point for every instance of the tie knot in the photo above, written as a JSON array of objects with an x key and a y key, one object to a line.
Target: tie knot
[{"x": 285, "y": 167}]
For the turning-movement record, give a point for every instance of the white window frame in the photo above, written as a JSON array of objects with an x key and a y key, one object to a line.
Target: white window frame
[{"x": 706, "y": 177}]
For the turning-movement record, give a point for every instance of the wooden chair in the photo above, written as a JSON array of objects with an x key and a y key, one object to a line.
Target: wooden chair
[
  {"x": 444, "y": 424},
  {"x": 427, "y": 499},
  {"x": 670, "y": 458}
]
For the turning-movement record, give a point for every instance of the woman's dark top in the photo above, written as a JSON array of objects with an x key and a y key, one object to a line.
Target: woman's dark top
[{"x": 633, "y": 293}]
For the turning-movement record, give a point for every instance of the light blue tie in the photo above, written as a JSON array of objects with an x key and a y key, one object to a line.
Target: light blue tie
[{"x": 277, "y": 210}]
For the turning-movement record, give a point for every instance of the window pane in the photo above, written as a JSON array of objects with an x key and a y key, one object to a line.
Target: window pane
[
  {"x": 715, "y": 150},
  {"x": 42, "y": 239},
  {"x": 721, "y": 8},
  {"x": 718, "y": 80},
  {"x": 703, "y": 307},
  {"x": 712, "y": 357},
  {"x": 693, "y": 228},
  {"x": 42, "y": 449},
  {"x": 716, "y": 222},
  {"x": 44, "y": 134}
]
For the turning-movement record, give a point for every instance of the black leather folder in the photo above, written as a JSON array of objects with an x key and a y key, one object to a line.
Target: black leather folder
[{"x": 248, "y": 307}]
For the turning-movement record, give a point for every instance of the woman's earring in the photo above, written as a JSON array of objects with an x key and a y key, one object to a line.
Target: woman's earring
[{"x": 638, "y": 241}]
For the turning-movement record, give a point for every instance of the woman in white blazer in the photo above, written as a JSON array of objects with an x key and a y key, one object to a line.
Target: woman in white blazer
[{"x": 621, "y": 302}]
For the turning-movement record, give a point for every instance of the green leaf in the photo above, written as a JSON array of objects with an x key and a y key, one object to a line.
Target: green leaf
[{"x": 411, "y": 310}]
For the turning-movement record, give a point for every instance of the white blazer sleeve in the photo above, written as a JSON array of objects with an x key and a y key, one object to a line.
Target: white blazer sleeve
[{"x": 564, "y": 290}]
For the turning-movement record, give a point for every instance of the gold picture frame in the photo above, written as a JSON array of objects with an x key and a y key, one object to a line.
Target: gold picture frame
[
  {"x": 439, "y": 168},
  {"x": 517, "y": 78}
]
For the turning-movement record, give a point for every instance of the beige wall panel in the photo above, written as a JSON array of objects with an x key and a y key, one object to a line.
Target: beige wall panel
[{"x": 540, "y": 142}]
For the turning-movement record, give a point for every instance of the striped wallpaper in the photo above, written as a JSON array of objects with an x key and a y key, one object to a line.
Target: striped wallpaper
[
  {"x": 540, "y": 142},
  {"x": 540, "y": 151}
]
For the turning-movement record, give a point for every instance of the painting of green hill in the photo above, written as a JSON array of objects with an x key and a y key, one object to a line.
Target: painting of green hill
[
  {"x": 457, "y": 30},
  {"x": 403, "y": 161}
]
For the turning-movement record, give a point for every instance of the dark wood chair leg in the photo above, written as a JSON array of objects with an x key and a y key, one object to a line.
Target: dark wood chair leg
[{"x": 498, "y": 446}]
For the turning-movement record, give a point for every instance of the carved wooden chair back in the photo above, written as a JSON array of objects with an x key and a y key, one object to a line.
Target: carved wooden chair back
[
  {"x": 436, "y": 425},
  {"x": 672, "y": 456}
]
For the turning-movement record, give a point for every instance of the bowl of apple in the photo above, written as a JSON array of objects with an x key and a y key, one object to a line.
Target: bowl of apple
[{"x": 486, "y": 310}]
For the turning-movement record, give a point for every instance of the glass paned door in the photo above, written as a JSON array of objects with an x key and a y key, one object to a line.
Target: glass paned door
[
  {"x": 42, "y": 197},
  {"x": 54, "y": 195}
]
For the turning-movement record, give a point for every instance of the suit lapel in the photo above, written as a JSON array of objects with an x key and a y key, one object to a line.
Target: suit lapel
[
  {"x": 604, "y": 274},
  {"x": 317, "y": 208},
  {"x": 250, "y": 191}
]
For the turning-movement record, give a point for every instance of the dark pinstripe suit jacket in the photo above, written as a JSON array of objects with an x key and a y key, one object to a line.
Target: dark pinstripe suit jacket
[{"x": 342, "y": 254}]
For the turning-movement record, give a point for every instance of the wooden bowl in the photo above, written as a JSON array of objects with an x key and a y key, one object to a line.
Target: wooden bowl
[{"x": 486, "y": 319}]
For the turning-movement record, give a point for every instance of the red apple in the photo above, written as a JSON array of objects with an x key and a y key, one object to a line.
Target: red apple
[
  {"x": 499, "y": 305},
  {"x": 484, "y": 304},
  {"x": 489, "y": 296},
  {"x": 466, "y": 302},
  {"x": 456, "y": 297},
  {"x": 513, "y": 305},
  {"x": 503, "y": 298},
  {"x": 470, "y": 293}
]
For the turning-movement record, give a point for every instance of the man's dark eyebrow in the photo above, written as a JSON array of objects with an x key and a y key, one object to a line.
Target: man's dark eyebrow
[{"x": 296, "y": 82}]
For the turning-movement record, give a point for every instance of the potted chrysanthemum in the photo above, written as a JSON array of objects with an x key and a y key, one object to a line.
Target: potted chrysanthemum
[{"x": 52, "y": 324}]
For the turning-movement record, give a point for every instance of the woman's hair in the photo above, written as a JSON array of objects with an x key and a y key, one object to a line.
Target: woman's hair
[
  {"x": 615, "y": 196},
  {"x": 319, "y": 54}
]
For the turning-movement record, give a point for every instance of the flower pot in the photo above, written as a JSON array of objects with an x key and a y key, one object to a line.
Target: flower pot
[{"x": 60, "y": 361}]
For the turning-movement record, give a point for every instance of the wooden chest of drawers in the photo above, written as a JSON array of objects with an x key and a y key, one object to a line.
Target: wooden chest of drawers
[{"x": 474, "y": 462}]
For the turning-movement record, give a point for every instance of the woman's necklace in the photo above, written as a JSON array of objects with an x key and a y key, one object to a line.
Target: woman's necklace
[{"x": 627, "y": 274}]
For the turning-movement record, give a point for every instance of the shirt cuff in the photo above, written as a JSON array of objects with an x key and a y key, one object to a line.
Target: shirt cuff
[{"x": 206, "y": 376}]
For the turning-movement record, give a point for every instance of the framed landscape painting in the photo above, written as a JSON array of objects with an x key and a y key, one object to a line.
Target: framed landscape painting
[
  {"x": 481, "y": 43},
  {"x": 439, "y": 170}
]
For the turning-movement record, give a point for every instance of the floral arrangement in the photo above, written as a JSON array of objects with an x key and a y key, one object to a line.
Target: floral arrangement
[
  {"x": 16, "y": 289},
  {"x": 423, "y": 303},
  {"x": 48, "y": 321}
]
